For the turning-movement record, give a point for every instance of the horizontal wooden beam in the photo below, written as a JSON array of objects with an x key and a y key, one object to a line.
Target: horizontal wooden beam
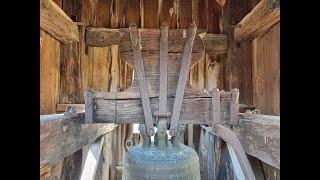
[
  {"x": 100, "y": 37},
  {"x": 57, "y": 23},
  {"x": 61, "y": 135},
  {"x": 150, "y": 39},
  {"x": 260, "y": 137},
  {"x": 215, "y": 43},
  {"x": 258, "y": 21}
]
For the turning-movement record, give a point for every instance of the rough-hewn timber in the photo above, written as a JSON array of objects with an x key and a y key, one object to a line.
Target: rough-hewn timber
[
  {"x": 55, "y": 22},
  {"x": 60, "y": 135},
  {"x": 258, "y": 21},
  {"x": 260, "y": 137}
]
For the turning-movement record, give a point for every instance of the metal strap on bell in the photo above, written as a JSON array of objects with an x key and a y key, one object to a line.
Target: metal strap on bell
[{"x": 162, "y": 159}]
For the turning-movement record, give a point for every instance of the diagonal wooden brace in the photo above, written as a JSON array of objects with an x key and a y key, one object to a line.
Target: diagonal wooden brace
[
  {"x": 136, "y": 45},
  {"x": 182, "y": 80}
]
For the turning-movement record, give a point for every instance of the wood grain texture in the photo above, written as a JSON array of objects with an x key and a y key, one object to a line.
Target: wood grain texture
[
  {"x": 266, "y": 72},
  {"x": 260, "y": 138},
  {"x": 258, "y": 21},
  {"x": 100, "y": 37},
  {"x": 231, "y": 139},
  {"x": 49, "y": 73},
  {"x": 55, "y": 22},
  {"x": 150, "y": 9},
  {"x": 271, "y": 172},
  {"x": 151, "y": 67},
  {"x": 141, "y": 78},
  {"x": 60, "y": 135},
  {"x": 71, "y": 168},
  {"x": 215, "y": 43},
  {"x": 168, "y": 13},
  {"x": 183, "y": 77},
  {"x": 150, "y": 40},
  {"x": 70, "y": 75}
]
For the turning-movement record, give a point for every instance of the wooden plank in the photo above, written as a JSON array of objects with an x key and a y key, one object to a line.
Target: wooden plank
[
  {"x": 55, "y": 22},
  {"x": 139, "y": 68},
  {"x": 271, "y": 173},
  {"x": 70, "y": 74},
  {"x": 215, "y": 43},
  {"x": 206, "y": 155},
  {"x": 60, "y": 135},
  {"x": 260, "y": 137},
  {"x": 100, "y": 37},
  {"x": 169, "y": 13},
  {"x": 150, "y": 9},
  {"x": 132, "y": 12},
  {"x": 71, "y": 168},
  {"x": 266, "y": 72},
  {"x": 49, "y": 73},
  {"x": 229, "y": 137},
  {"x": 258, "y": 21},
  {"x": 62, "y": 107},
  {"x": 194, "y": 110},
  {"x": 236, "y": 165},
  {"x": 150, "y": 40},
  {"x": 182, "y": 80},
  {"x": 92, "y": 160}
]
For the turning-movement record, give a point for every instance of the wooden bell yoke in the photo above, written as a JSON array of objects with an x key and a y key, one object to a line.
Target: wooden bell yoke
[{"x": 161, "y": 90}]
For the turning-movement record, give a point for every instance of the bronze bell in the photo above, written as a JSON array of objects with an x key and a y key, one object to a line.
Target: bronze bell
[{"x": 161, "y": 159}]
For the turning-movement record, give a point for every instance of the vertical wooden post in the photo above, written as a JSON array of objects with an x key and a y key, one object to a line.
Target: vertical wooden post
[
  {"x": 89, "y": 103},
  {"x": 234, "y": 107}
]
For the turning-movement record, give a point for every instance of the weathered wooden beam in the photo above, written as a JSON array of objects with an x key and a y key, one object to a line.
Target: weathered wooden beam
[
  {"x": 61, "y": 135},
  {"x": 215, "y": 43},
  {"x": 100, "y": 37},
  {"x": 260, "y": 137},
  {"x": 57, "y": 23},
  {"x": 258, "y": 21},
  {"x": 237, "y": 149},
  {"x": 93, "y": 156},
  {"x": 150, "y": 39}
]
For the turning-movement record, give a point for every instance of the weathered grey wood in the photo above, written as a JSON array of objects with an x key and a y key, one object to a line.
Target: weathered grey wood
[
  {"x": 260, "y": 137},
  {"x": 92, "y": 160},
  {"x": 206, "y": 155},
  {"x": 60, "y": 135},
  {"x": 57, "y": 23},
  {"x": 89, "y": 104},
  {"x": 235, "y": 163},
  {"x": 182, "y": 80},
  {"x": 216, "y": 106},
  {"x": 234, "y": 107},
  {"x": 163, "y": 69},
  {"x": 194, "y": 110},
  {"x": 71, "y": 168},
  {"x": 100, "y": 37},
  {"x": 258, "y": 21},
  {"x": 215, "y": 43},
  {"x": 229, "y": 137},
  {"x": 136, "y": 45},
  {"x": 150, "y": 40}
]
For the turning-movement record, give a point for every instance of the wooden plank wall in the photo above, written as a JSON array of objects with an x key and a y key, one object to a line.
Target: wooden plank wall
[
  {"x": 266, "y": 71},
  {"x": 68, "y": 69}
]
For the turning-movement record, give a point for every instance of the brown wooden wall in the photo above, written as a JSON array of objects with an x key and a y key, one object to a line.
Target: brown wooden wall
[
  {"x": 66, "y": 70},
  {"x": 266, "y": 71}
]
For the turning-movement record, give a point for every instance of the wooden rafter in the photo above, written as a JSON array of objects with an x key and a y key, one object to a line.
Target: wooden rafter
[
  {"x": 258, "y": 21},
  {"x": 57, "y": 23}
]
